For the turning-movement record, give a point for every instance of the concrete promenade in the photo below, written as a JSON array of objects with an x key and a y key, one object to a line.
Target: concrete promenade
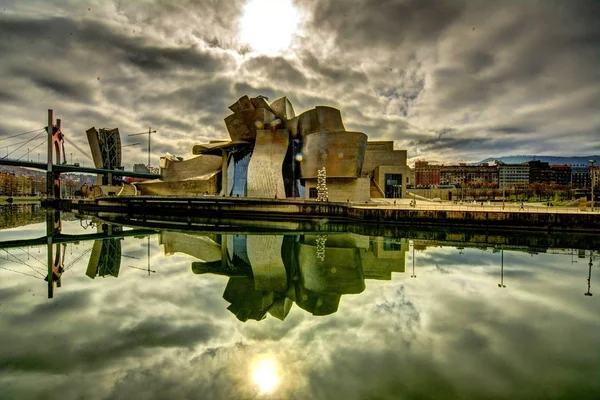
[{"x": 470, "y": 206}]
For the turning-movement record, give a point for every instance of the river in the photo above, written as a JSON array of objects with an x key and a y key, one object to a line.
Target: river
[{"x": 176, "y": 314}]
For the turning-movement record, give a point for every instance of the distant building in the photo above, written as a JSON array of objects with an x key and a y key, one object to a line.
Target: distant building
[
  {"x": 580, "y": 175},
  {"x": 539, "y": 172},
  {"x": 561, "y": 174},
  {"x": 426, "y": 174},
  {"x": 463, "y": 175},
  {"x": 595, "y": 176},
  {"x": 12, "y": 184},
  {"x": 141, "y": 168},
  {"x": 511, "y": 175}
]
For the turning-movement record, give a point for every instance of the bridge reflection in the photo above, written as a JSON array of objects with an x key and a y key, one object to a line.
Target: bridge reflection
[{"x": 105, "y": 257}]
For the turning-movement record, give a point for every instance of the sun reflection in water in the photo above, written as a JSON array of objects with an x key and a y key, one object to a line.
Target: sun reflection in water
[{"x": 264, "y": 375}]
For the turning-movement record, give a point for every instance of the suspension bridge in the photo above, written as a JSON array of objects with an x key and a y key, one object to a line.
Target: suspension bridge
[{"x": 55, "y": 162}]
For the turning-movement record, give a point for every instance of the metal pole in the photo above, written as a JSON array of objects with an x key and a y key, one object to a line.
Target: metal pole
[
  {"x": 148, "y": 250},
  {"x": 49, "y": 177},
  {"x": 413, "y": 260},
  {"x": 592, "y": 178},
  {"x": 501, "y": 284},
  {"x": 149, "y": 135}
]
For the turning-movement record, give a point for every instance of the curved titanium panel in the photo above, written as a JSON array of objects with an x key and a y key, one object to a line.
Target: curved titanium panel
[
  {"x": 190, "y": 168},
  {"x": 339, "y": 273},
  {"x": 242, "y": 125},
  {"x": 341, "y": 153},
  {"x": 265, "y": 176},
  {"x": 198, "y": 246},
  {"x": 320, "y": 119},
  {"x": 283, "y": 108},
  {"x": 264, "y": 253}
]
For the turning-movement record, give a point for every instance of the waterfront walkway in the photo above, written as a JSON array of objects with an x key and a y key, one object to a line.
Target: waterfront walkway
[{"x": 404, "y": 204}]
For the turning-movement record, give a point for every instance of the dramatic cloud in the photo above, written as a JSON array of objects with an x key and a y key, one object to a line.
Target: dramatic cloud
[{"x": 497, "y": 78}]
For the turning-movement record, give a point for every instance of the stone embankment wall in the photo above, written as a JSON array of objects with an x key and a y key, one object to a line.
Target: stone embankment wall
[{"x": 286, "y": 210}]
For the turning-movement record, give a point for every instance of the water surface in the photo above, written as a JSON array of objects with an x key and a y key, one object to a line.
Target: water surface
[{"x": 181, "y": 314}]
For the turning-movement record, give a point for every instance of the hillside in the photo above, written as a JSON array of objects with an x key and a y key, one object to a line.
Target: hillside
[{"x": 570, "y": 160}]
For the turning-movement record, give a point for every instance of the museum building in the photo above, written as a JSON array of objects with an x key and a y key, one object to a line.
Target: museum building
[{"x": 274, "y": 153}]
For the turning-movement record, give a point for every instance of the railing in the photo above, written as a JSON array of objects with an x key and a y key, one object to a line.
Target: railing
[{"x": 541, "y": 209}]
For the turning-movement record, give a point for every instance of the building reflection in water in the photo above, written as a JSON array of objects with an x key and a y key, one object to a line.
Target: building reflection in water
[
  {"x": 268, "y": 273},
  {"x": 105, "y": 257}
]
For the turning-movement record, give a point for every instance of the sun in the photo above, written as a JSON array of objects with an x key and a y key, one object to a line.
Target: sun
[
  {"x": 268, "y": 26},
  {"x": 264, "y": 375}
]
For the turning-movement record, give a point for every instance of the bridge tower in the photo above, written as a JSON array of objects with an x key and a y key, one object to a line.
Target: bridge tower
[
  {"x": 56, "y": 146},
  {"x": 106, "y": 152}
]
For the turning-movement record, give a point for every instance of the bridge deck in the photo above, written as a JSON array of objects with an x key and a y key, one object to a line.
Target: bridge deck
[{"x": 73, "y": 168}]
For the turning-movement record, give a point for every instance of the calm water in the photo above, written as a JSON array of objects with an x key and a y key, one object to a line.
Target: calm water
[{"x": 341, "y": 316}]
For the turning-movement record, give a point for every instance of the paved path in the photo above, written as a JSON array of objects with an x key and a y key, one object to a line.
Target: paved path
[{"x": 492, "y": 207}]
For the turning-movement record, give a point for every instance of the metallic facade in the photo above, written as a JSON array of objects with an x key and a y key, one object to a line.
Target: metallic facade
[
  {"x": 265, "y": 176},
  {"x": 341, "y": 153}
]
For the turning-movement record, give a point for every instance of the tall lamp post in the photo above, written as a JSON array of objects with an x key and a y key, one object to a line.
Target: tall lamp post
[{"x": 592, "y": 175}]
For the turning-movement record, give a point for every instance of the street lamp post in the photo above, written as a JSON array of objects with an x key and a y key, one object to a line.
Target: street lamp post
[{"x": 592, "y": 175}]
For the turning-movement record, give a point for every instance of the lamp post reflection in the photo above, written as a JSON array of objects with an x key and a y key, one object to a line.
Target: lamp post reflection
[
  {"x": 589, "y": 278},
  {"x": 413, "y": 260},
  {"x": 501, "y": 284}
]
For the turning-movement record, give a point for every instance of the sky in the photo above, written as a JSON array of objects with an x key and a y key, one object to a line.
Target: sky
[{"x": 452, "y": 81}]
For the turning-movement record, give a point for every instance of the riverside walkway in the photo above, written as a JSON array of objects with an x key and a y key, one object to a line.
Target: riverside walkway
[{"x": 470, "y": 206}]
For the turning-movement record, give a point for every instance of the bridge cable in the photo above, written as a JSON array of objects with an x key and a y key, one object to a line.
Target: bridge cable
[
  {"x": 14, "y": 144},
  {"x": 18, "y": 260},
  {"x": 22, "y": 273},
  {"x": 79, "y": 148},
  {"x": 35, "y": 137},
  {"x": 30, "y": 150},
  {"x": 35, "y": 258},
  {"x": 79, "y": 257},
  {"x": 23, "y": 263},
  {"x": 21, "y": 134}
]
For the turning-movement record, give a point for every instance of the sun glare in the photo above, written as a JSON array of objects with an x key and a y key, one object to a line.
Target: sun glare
[
  {"x": 268, "y": 26},
  {"x": 264, "y": 375}
]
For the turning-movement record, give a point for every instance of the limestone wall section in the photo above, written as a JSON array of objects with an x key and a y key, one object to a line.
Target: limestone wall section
[{"x": 343, "y": 189}]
